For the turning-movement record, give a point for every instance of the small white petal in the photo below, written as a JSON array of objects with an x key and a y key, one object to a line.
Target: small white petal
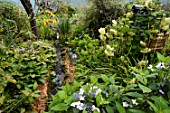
[
  {"x": 161, "y": 91},
  {"x": 125, "y": 104},
  {"x": 75, "y": 103},
  {"x": 134, "y": 102},
  {"x": 98, "y": 91},
  {"x": 81, "y": 91},
  {"x": 95, "y": 108},
  {"x": 94, "y": 87},
  {"x": 160, "y": 65},
  {"x": 81, "y": 98}
]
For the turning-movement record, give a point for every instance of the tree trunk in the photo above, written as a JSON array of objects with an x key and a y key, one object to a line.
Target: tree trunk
[{"x": 28, "y": 7}]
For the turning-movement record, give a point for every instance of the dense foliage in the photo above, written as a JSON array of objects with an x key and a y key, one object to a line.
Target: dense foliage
[
  {"x": 112, "y": 65},
  {"x": 23, "y": 66}
]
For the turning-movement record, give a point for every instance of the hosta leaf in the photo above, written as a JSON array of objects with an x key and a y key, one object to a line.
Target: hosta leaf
[{"x": 144, "y": 88}]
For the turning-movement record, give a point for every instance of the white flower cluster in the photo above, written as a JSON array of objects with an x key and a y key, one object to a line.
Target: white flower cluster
[
  {"x": 109, "y": 51},
  {"x": 80, "y": 98},
  {"x": 102, "y": 32},
  {"x": 79, "y": 105},
  {"x": 125, "y": 104},
  {"x": 160, "y": 65}
]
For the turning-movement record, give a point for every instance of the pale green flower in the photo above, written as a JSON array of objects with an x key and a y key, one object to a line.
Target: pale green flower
[
  {"x": 109, "y": 51},
  {"x": 154, "y": 31},
  {"x": 109, "y": 36},
  {"x": 148, "y": 3},
  {"x": 131, "y": 33},
  {"x": 109, "y": 48},
  {"x": 146, "y": 50},
  {"x": 114, "y": 32},
  {"x": 143, "y": 62},
  {"x": 143, "y": 43},
  {"x": 114, "y": 22},
  {"x": 160, "y": 34},
  {"x": 102, "y": 31},
  {"x": 129, "y": 15},
  {"x": 102, "y": 37},
  {"x": 165, "y": 23},
  {"x": 159, "y": 37}
]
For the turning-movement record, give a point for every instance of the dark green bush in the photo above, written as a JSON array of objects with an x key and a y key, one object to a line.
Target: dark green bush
[{"x": 101, "y": 13}]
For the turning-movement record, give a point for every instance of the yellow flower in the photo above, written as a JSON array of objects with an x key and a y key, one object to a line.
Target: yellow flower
[
  {"x": 102, "y": 31},
  {"x": 55, "y": 22},
  {"x": 45, "y": 22},
  {"x": 50, "y": 13}
]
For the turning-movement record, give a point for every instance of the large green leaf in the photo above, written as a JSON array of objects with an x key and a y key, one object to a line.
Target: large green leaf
[
  {"x": 5, "y": 64},
  {"x": 60, "y": 107},
  {"x": 144, "y": 88},
  {"x": 153, "y": 106},
  {"x": 166, "y": 110},
  {"x": 62, "y": 95},
  {"x": 160, "y": 57},
  {"x": 120, "y": 108},
  {"x": 105, "y": 78},
  {"x": 160, "y": 102},
  {"x": 109, "y": 109},
  {"x": 93, "y": 79},
  {"x": 35, "y": 85},
  {"x": 98, "y": 100},
  {"x": 141, "y": 78}
]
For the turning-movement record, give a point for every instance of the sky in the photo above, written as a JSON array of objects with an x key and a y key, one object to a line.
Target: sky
[{"x": 74, "y": 2}]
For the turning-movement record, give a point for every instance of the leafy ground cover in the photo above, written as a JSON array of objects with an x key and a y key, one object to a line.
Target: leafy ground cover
[{"x": 108, "y": 68}]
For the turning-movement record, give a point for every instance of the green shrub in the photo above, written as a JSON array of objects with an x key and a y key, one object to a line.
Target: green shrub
[
  {"x": 22, "y": 68},
  {"x": 101, "y": 13}
]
